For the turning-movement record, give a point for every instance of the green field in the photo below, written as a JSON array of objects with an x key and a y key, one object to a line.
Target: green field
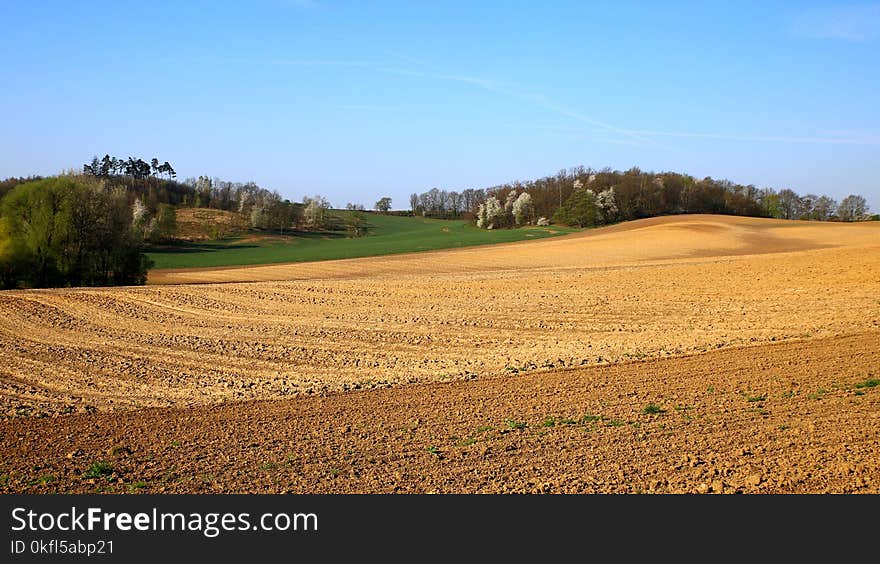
[{"x": 387, "y": 235}]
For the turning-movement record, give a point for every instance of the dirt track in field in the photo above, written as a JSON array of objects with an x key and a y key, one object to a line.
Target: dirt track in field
[
  {"x": 787, "y": 417},
  {"x": 446, "y": 343}
]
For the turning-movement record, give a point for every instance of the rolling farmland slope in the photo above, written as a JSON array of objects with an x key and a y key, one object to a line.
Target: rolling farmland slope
[
  {"x": 386, "y": 235},
  {"x": 734, "y": 327}
]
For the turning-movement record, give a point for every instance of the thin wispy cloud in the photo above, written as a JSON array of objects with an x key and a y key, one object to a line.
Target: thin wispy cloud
[
  {"x": 854, "y": 22},
  {"x": 417, "y": 70},
  {"x": 630, "y": 136},
  {"x": 827, "y": 140},
  {"x": 368, "y": 108},
  {"x": 513, "y": 92},
  {"x": 482, "y": 83},
  {"x": 832, "y": 138},
  {"x": 638, "y": 137},
  {"x": 581, "y": 117},
  {"x": 406, "y": 58},
  {"x": 307, "y": 62},
  {"x": 301, "y": 3}
]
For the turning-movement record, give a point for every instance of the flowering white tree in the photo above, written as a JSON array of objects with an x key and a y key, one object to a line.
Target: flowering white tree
[
  {"x": 508, "y": 203},
  {"x": 138, "y": 212},
  {"x": 481, "y": 216},
  {"x": 492, "y": 213},
  {"x": 313, "y": 214},
  {"x": 257, "y": 216},
  {"x": 141, "y": 222},
  {"x": 523, "y": 209},
  {"x": 244, "y": 201},
  {"x": 607, "y": 205}
]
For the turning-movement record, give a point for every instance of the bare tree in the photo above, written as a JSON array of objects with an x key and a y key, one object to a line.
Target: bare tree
[
  {"x": 788, "y": 203},
  {"x": 852, "y": 208},
  {"x": 455, "y": 203},
  {"x": 823, "y": 208}
]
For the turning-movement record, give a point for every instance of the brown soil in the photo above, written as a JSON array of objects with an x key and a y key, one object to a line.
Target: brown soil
[
  {"x": 378, "y": 323},
  {"x": 774, "y": 418},
  {"x": 602, "y": 322}
]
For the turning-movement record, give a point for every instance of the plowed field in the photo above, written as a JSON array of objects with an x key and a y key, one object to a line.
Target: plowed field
[{"x": 528, "y": 367}]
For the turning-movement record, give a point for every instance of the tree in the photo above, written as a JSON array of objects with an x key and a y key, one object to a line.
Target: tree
[
  {"x": 805, "y": 209},
  {"x": 314, "y": 213},
  {"x": 258, "y": 217},
  {"x": 10, "y": 256},
  {"x": 383, "y": 205},
  {"x": 277, "y": 212},
  {"x": 204, "y": 186},
  {"x": 523, "y": 209},
  {"x": 789, "y": 202},
  {"x": 481, "y": 217},
  {"x": 607, "y": 205},
  {"x": 356, "y": 224},
  {"x": 432, "y": 201},
  {"x": 470, "y": 201},
  {"x": 93, "y": 168},
  {"x": 166, "y": 168},
  {"x": 823, "y": 208},
  {"x": 139, "y": 215},
  {"x": 852, "y": 208},
  {"x": 491, "y": 212},
  {"x": 35, "y": 212},
  {"x": 284, "y": 214},
  {"x": 70, "y": 231},
  {"x": 442, "y": 202},
  {"x": 455, "y": 201},
  {"x": 414, "y": 202},
  {"x": 108, "y": 165},
  {"x": 580, "y": 209},
  {"x": 770, "y": 205},
  {"x": 164, "y": 225}
]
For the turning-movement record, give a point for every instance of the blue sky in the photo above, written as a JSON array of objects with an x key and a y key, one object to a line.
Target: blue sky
[{"x": 356, "y": 100}]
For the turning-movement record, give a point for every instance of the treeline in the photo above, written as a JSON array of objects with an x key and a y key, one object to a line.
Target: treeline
[
  {"x": 447, "y": 204},
  {"x": 155, "y": 186},
  {"x": 70, "y": 231},
  {"x": 93, "y": 230},
  {"x": 153, "y": 183},
  {"x": 263, "y": 208},
  {"x": 636, "y": 194},
  {"x": 134, "y": 168}
]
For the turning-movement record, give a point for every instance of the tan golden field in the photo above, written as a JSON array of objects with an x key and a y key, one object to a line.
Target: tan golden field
[{"x": 688, "y": 353}]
